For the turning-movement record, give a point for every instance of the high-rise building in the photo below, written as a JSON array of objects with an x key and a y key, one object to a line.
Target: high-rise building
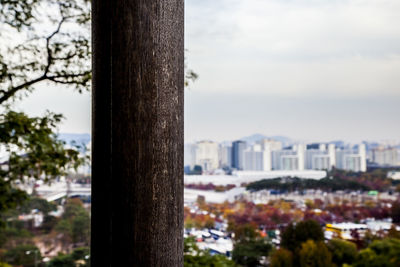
[
  {"x": 301, "y": 157},
  {"x": 290, "y": 162},
  {"x": 257, "y": 159},
  {"x": 267, "y": 155},
  {"x": 270, "y": 144},
  {"x": 207, "y": 155},
  {"x": 225, "y": 156},
  {"x": 238, "y": 148},
  {"x": 276, "y": 158},
  {"x": 293, "y": 158},
  {"x": 385, "y": 156},
  {"x": 267, "y": 160},
  {"x": 352, "y": 159},
  {"x": 332, "y": 155},
  {"x": 398, "y": 156},
  {"x": 189, "y": 155},
  {"x": 362, "y": 152},
  {"x": 320, "y": 162},
  {"x": 320, "y": 157}
]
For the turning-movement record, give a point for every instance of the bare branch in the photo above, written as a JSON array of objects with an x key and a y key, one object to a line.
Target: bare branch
[
  {"x": 8, "y": 94},
  {"x": 48, "y": 39},
  {"x": 57, "y": 78}
]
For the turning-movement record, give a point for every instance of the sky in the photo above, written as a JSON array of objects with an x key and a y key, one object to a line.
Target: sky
[
  {"x": 308, "y": 69},
  {"x": 312, "y": 70}
]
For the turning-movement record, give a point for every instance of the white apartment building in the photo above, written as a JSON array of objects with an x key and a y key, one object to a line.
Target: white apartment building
[
  {"x": 385, "y": 156},
  {"x": 352, "y": 160},
  {"x": 289, "y": 159},
  {"x": 225, "y": 156},
  {"x": 301, "y": 149},
  {"x": 266, "y": 156},
  {"x": 320, "y": 162},
  {"x": 270, "y": 144},
  {"x": 206, "y": 155},
  {"x": 257, "y": 159},
  {"x": 322, "y": 158},
  {"x": 276, "y": 158},
  {"x": 290, "y": 162},
  {"x": 190, "y": 155}
]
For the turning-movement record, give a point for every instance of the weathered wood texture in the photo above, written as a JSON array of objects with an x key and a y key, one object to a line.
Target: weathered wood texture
[{"x": 138, "y": 79}]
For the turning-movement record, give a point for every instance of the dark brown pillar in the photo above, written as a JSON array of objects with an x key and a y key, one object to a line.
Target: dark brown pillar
[{"x": 138, "y": 79}]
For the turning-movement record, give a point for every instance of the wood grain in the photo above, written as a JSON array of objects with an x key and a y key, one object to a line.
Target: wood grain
[{"x": 137, "y": 164}]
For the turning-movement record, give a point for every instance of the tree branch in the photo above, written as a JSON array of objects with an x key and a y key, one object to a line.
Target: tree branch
[
  {"x": 7, "y": 94},
  {"x": 48, "y": 39},
  {"x": 14, "y": 90}
]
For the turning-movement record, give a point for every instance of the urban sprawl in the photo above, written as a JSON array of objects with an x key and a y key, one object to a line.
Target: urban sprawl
[
  {"x": 269, "y": 154},
  {"x": 269, "y": 202},
  {"x": 251, "y": 202}
]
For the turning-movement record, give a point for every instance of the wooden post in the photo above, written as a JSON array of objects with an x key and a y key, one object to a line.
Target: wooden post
[{"x": 137, "y": 184}]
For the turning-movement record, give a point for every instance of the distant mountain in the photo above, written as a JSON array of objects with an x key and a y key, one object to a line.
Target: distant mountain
[
  {"x": 78, "y": 139},
  {"x": 253, "y": 138}
]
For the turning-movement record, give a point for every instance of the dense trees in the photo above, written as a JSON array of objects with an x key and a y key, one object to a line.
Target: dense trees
[
  {"x": 302, "y": 243},
  {"x": 294, "y": 235},
  {"x": 251, "y": 252},
  {"x": 282, "y": 258},
  {"x": 35, "y": 203},
  {"x": 342, "y": 251},
  {"x": 24, "y": 255},
  {"x": 314, "y": 254},
  {"x": 210, "y": 186},
  {"x": 62, "y": 234},
  {"x": 335, "y": 180},
  {"x": 395, "y": 212},
  {"x": 384, "y": 252},
  {"x": 79, "y": 257},
  {"x": 249, "y": 247},
  {"x": 297, "y": 184},
  {"x": 75, "y": 223}
]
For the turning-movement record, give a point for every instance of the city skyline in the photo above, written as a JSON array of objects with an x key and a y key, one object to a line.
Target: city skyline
[
  {"x": 319, "y": 71},
  {"x": 306, "y": 69},
  {"x": 265, "y": 155}
]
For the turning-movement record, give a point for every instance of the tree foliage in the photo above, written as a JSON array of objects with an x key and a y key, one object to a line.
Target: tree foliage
[
  {"x": 314, "y": 254},
  {"x": 23, "y": 255},
  {"x": 294, "y": 235},
  {"x": 299, "y": 184},
  {"x": 342, "y": 251},
  {"x": 249, "y": 247},
  {"x": 42, "y": 41},
  {"x": 384, "y": 252},
  {"x": 75, "y": 222},
  {"x": 282, "y": 258},
  {"x": 250, "y": 253},
  {"x": 395, "y": 212},
  {"x": 81, "y": 255},
  {"x": 48, "y": 46},
  {"x": 335, "y": 180},
  {"x": 35, "y": 203}
]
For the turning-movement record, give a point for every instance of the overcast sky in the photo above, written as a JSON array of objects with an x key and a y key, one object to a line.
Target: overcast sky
[{"x": 308, "y": 69}]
